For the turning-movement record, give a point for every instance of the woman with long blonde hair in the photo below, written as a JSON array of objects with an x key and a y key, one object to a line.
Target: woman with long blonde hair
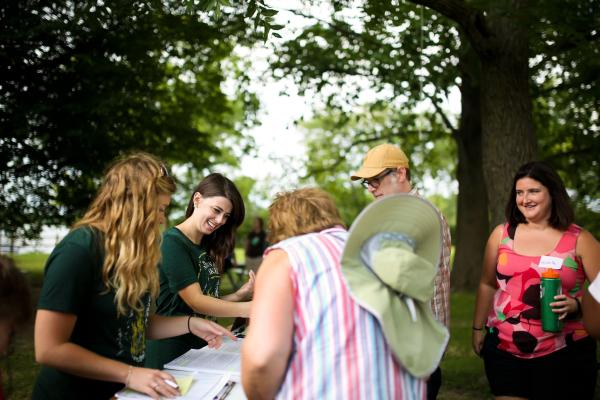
[{"x": 93, "y": 315}]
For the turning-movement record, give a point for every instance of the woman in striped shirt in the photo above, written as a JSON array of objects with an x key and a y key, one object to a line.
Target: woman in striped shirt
[{"x": 308, "y": 338}]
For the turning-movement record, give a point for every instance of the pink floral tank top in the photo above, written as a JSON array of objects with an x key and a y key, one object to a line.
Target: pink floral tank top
[{"x": 516, "y": 308}]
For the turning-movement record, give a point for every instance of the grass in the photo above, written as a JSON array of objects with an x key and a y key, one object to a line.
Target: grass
[
  {"x": 33, "y": 266},
  {"x": 463, "y": 374},
  {"x": 462, "y": 371}
]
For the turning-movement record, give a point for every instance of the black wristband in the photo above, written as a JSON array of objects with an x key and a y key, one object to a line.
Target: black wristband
[
  {"x": 578, "y": 311},
  {"x": 477, "y": 329},
  {"x": 189, "y": 318}
]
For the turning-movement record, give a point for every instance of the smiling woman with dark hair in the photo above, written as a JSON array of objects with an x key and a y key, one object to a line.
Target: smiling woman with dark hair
[
  {"x": 539, "y": 234},
  {"x": 193, "y": 257}
]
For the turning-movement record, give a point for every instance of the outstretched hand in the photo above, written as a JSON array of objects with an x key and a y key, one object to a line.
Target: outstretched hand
[
  {"x": 210, "y": 331},
  {"x": 152, "y": 382},
  {"x": 247, "y": 289}
]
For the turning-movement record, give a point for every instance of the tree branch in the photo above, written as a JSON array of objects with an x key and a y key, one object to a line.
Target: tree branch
[
  {"x": 569, "y": 154},
  {"x": 442, "y": 115},
  {"x": 470, "y": 19},
  {"x": 341, "y": 157}
]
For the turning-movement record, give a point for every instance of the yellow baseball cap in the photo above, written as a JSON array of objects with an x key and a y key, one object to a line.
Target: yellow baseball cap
[{"x": 380, "y": 158}]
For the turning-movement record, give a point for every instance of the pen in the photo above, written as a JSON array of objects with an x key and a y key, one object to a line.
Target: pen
[
  {"x": 171, "y": 383},
  {"x": 222, "y": 394}
]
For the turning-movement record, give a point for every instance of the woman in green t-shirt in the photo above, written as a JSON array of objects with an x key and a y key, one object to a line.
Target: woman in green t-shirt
[
  {"x": 94, "y": 310},
  {"x": 193, "y": 256}
]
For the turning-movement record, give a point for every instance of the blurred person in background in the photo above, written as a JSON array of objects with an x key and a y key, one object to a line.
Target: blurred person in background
[
  {"x": 255, "y": 245},
  {"x": 15, "y": 310}
]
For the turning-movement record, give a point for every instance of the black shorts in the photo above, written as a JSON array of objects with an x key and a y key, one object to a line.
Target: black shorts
[{"x": 569, "y": 373}]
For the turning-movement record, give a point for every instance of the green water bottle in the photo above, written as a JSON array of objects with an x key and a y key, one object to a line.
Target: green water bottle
[{"x": 550, "y": 286}]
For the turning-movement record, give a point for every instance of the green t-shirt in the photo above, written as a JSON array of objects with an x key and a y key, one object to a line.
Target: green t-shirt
[
  {"x": 183, "y": 263},
  {"x": 73, "y": 285}
]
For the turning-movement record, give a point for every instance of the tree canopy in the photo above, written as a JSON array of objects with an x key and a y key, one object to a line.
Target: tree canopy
[
  {"x": 519, "y": 67},
  {"x": 84, "y": 81}
]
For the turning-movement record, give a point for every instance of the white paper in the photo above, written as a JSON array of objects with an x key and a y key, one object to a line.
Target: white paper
[
  {"x": 228, "y": 346},
  {"x": 212, "y": 369},
  {"x": 204, "y": 387},
  {"x": 237, "y": 393},
  {"x": 203, "y": 361},
  {"x": 226, "y": 359}
]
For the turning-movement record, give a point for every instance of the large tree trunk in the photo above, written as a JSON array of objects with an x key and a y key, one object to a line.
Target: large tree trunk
[
  {"x": 500, "y": 36},
  {"x": 508, "y": 138},
  {"x": 472, "y": 226}
]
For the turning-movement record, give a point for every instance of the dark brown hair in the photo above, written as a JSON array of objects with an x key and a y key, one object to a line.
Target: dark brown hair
[
  {"x": 562, "y": 214},
  {"x": 220, "y": 243}
]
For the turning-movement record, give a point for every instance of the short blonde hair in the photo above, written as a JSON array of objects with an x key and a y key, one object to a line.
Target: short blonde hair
[{"x": 301, "y": 211}]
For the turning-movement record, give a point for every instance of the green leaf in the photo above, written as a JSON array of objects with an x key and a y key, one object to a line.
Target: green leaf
[
  {"x": 251, "y": 10},
  {"x": 269, "y": 12},
  {"x": 277, "y": 35},
  {"x": 266, "y": 33},
  {"x": 277, "y": 27}
]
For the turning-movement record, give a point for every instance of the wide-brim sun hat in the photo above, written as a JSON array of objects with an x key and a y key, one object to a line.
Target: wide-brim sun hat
[{"x": 389, "y": 263}]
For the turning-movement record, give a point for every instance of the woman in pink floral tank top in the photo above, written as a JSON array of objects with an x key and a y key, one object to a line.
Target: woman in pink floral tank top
[{"x": 520, "y": 358}]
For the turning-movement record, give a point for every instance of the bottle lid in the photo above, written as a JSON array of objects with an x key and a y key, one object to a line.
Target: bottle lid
[{"x": 550, "y": 273}]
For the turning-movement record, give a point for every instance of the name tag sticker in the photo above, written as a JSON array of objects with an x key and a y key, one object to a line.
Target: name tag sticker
[{"x": 550, "y": 262}]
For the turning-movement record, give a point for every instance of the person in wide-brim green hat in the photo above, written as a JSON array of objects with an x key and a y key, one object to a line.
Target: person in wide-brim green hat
[{"x": 389, "y": 262}]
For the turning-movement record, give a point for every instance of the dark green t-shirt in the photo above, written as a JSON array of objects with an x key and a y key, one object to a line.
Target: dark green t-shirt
[
  {"x": 73, "y": 285},
  {"x": 183, "y": 263}
]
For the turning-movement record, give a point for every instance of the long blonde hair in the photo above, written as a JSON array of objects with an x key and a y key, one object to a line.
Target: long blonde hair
[
  {"x": 126, "y": 211},
  {"x": 301, "y": 211}
]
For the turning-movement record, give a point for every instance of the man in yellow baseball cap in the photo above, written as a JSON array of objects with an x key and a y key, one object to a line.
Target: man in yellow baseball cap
[{"x": 386, "y": 171}]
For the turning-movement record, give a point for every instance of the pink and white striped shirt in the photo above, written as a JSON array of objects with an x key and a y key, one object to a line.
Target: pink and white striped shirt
[{"x": 339, "y": 350}]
